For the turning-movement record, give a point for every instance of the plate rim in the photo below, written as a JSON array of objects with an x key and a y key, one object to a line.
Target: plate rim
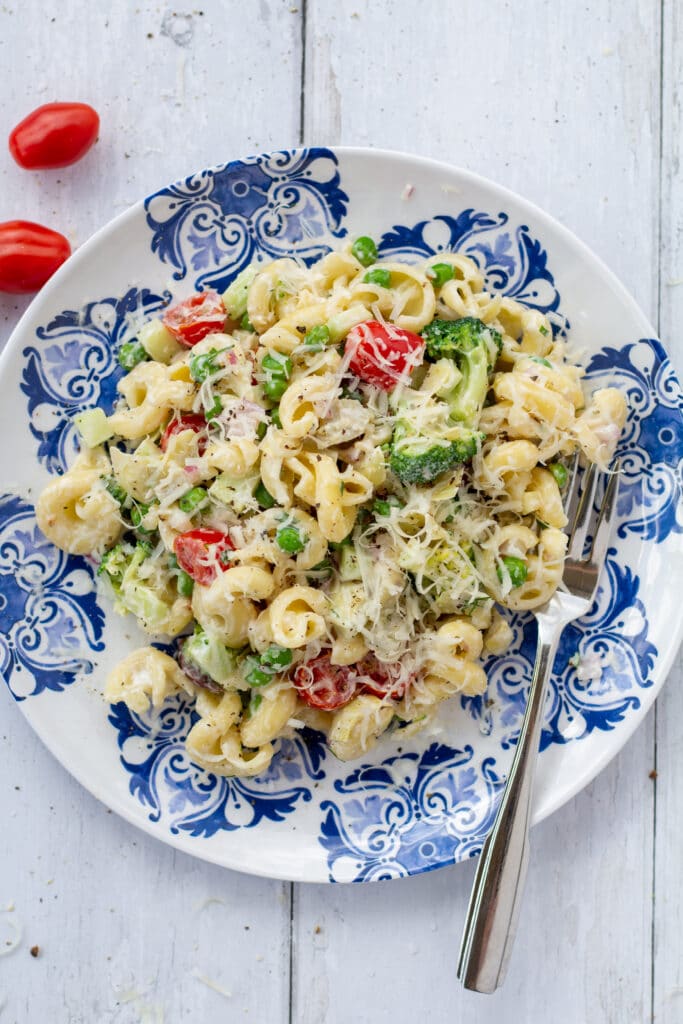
[{"x": 205, "y": 851}]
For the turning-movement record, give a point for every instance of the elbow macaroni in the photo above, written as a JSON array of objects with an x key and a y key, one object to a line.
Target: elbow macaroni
[{"x": 255, "y": 498}]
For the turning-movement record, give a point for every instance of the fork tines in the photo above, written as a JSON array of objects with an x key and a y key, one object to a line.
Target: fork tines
[{"x": 583, "y": 515}]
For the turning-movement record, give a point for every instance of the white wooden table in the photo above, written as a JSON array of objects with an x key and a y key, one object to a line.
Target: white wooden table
[{"x": 577, "y": 106}]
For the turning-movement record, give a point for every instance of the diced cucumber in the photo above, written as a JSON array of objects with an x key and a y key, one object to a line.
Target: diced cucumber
[
  {"x": 340, "y": 324},
  {"x": 211, "y": 656},
  {"x": 236, "y": 494},
  {"x": 139, "y": 598},
  {"x": 349, "y": 569},
  {"x": 93, "y": 426},
  {"x": 236, "y": 294},
  {"x": 158, "y": 341}
]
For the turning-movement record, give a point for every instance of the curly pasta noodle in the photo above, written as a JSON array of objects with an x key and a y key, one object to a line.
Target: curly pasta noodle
[{"x": 330, "y": 493}]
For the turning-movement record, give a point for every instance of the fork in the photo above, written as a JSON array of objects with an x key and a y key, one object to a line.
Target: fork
[{"x": 495, "y": 901}]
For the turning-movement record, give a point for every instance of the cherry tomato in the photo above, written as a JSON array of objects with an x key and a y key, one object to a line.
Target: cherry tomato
[
  {"x": 323, "y": 685},
  {"x": 54, "y": 135},
  {"x": 192, "y": 319},
  {"x": 190, "y": 421},
  {"x": 199, "y": 553},
  {"x": 380, "y": 678},
  {"x": 29, "y": 255},
  {"x": 383, "y": 354}
]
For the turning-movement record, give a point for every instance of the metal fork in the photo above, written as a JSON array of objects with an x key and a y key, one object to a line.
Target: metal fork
[{"x": 495, "y": 901}]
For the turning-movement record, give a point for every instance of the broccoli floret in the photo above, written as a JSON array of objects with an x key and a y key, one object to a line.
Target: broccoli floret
[
  {"x": 115, "y": 562},
  {"x": 474, "y": 348},
  {"x": 419, "y": 457},
  {"x": 416, "y": 459}
]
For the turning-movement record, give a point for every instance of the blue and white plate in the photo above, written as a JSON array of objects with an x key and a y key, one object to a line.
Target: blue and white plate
[{"x": 404, "y": 809}]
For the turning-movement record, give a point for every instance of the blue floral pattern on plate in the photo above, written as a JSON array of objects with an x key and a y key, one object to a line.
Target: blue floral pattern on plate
[
  {"x": 193, "y": 800},
  {"x": 414, "y": 810},
  {"x": 75, "y": 368},
  {"x": 213, "y": 224},
  {"x": 601, "y": 665},
  {"x": 651, "y": 447},
  {"x": 410, "y": 813},
  {"x": 512, "y": 261},
  {"x": 51, "y": 622}
]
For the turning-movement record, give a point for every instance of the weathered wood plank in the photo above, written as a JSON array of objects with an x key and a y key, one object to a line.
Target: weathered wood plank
[
  {"x": 561, "y": 105},
  {"x": 128, "y": 929}
]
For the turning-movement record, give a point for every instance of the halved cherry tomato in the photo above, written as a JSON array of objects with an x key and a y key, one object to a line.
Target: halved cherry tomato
[
  {"x": 199, "y": 553},
  {"x": 190, "y": 421},
  {"x": 323, "y": 685},
  {"x": 192, "y": 319},
  {"x": 54, "y": 135},
  {"x": 383, "y": 355},
  {"x": 29, "y": 255},
  {"x": 380, "y": 678}
]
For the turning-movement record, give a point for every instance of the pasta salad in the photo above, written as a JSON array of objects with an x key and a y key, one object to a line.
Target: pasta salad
[{"x": 325, "y": 483}]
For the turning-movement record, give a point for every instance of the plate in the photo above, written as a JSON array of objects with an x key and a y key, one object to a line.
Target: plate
[{"x": 430, "y": 801}]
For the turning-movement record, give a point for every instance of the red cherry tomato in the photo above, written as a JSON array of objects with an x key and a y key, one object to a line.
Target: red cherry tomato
[
  {"x": 323, "y": 685},
  {"x": 380, "y": 678},
  {"x": 383, "y": 355},
  {"x": 192, "y": 319},
  {"x": 29, "y": 255},
  {"x": 190, "y": 421},
  {"x": 54, "y": 135},
  {"x": 199, "y": 553}
]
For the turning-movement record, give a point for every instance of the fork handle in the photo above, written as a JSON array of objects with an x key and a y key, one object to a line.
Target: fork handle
[{"x": 494, "y": 905}]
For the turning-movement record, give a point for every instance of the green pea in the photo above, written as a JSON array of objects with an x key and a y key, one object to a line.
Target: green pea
[
  {"x": 255, "y": 674},
  {"x": 559, "y": 472},
  {"x": 317, "y": 338},
  {"x": 185, "y": 584},
  {"x": 138, "y": 513},
  {"x": 516, "y": 568},
  {"x": 378, "y": 276},
  {"x": 277, "y": 657},
  {"x": 278, "y": 369},
  {"x": 116, "y": 490},
  {"x": 439, "y": 273},
  {"x": 193, "y": 500},
  {"x": 215, "y": 410},
  {"x": 290, "y": 540},
  {"x": 365, "y": 250},
  {"x": 204, "y": 366},
  {"x": 130, "y": 354},
  {"x": 263, "y": 497}
]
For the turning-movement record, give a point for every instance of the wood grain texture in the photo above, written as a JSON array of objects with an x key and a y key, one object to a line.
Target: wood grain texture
[
  {"x": 564, "y": 106},
  {"x": 555, "y": 101},
  {"x": 668, "y": 931},
  {"x": 125, "y": 930},
  {"x": 560, "y": 102}
]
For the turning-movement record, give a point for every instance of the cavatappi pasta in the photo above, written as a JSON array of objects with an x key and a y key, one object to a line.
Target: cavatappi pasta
[{"x": 323, "y": 483}]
